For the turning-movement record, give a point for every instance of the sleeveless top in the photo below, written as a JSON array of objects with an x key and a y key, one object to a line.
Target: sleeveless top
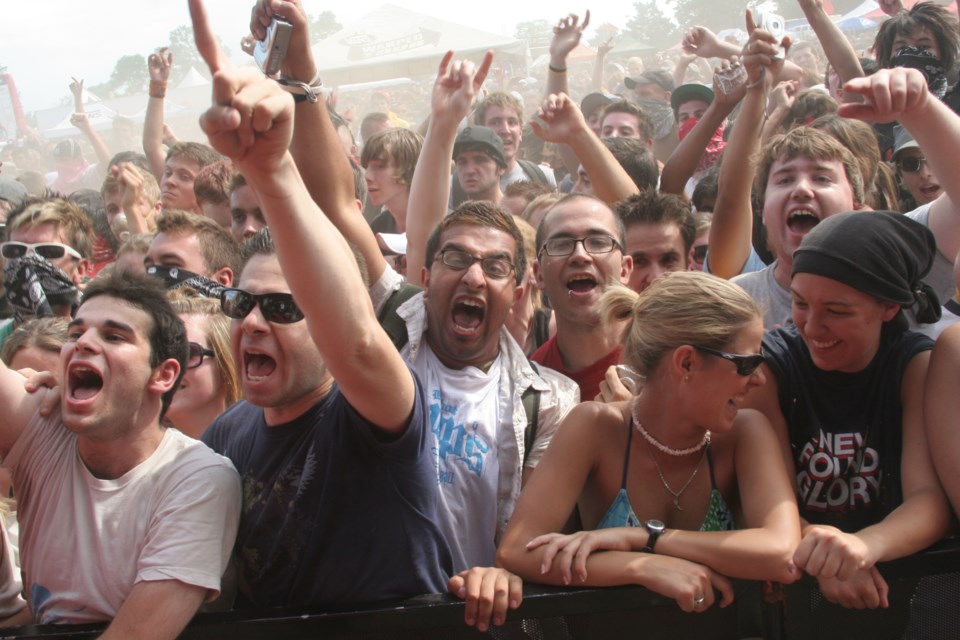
[{"x": 620, "y": 513}]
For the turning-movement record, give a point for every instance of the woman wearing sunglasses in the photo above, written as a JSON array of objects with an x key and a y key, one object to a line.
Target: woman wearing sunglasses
[
  {"x": 845, "y": 393},
  {"x": 682, "y": 487},
  {"x": 210, "y": 382}
]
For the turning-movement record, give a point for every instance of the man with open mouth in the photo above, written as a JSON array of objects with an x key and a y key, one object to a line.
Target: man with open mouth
[{"x": 103, "y": 468}]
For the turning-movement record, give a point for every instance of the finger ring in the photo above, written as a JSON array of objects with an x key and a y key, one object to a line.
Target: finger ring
[{"x": 699, "y": 600}]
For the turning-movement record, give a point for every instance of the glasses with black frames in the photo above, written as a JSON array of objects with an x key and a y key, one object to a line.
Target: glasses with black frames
[
  {"x": 278, "y": 308},
  {"x": 591, "y": 244},
  {"x": 498, "y": 268},
  {"x": 196, "y": 354},
  {"x": 746, "y": 364}
]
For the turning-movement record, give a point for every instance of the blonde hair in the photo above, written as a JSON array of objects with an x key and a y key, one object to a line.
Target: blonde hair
[
  {"x": 683, "y": 307},
  {"x": 218, "y": 334},
  {"x": 45, "y": 334}
]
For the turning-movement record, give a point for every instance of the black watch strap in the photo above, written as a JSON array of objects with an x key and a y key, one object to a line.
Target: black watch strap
[{"x": 654, "y": 529}]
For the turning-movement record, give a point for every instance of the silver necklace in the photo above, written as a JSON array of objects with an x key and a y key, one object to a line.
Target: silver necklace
[
  {"x": 676, "y": 494},
  {"x": 659, "y": 445}
]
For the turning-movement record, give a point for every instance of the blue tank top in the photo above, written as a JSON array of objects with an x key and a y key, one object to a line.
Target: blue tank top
[{"x": 620, "y": 513}]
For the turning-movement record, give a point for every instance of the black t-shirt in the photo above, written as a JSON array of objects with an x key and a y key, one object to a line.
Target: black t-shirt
[
  {"x": 332, "y": 514},
  {"x": 845, "y": 428}
]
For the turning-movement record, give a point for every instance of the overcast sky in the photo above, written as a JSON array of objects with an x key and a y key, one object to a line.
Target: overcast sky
[{"x": 45, "y": 42}]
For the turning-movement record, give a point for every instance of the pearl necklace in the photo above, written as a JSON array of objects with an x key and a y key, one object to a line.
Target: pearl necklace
[{"x": 659, "y": 445}]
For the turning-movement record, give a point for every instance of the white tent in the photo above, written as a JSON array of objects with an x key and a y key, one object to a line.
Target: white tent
[{"x": 394, "y": 42}]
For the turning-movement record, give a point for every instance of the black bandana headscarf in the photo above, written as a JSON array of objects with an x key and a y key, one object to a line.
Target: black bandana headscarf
[
  {"x": 175, "y": 278},
  {"x": 927, "y": 64},
  {"x": 34, "y": 287}
]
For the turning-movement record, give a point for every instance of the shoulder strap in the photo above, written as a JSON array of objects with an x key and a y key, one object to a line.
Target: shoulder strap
[
  {"x": 533, "y": 171},
  {"x": 531, "y": 406},
  {"x": 392, "y": 323}
]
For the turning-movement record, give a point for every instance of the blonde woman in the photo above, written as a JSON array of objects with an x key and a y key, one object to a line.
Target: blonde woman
[{"x": 664, "y": 476}]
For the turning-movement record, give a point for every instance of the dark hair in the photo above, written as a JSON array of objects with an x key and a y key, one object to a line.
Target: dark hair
[
  {"x": 542, "y": 231},
  {"x": 936, "y": 18},
  {"x": 261, "y": 244},
  {"x": 481, "y": 213},
  {"x": 652, "y": 207},
  {"x": 644, "y": 122},
  {"x": 637, "y": 160},
  {"x": 168, "y": 336},
  {"x": 402, "y": 146}
]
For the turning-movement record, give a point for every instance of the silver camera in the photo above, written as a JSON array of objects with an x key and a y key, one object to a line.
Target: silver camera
[
  {"x": 774, "y": 24},
  {"x": 271, "y": 51}
]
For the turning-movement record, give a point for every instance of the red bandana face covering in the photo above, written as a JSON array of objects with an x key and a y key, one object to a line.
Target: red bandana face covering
[{"x": 714, "y": 148}]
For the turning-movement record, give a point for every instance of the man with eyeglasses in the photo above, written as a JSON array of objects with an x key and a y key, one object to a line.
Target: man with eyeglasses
[
  {"x": 340, "y": 496},
  {"x": 580, "y": 249}
]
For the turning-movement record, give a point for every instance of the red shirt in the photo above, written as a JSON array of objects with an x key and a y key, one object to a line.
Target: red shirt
[{"x": 588, "y": 378}]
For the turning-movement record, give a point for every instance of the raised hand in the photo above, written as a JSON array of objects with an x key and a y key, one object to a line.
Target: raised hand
[
  {"x": 558, "y": 119},
  {"x": 702, "y": 42},
  {"x": 251, "y": 119},
  {"x": 457, "y": 85},
  {"x": 76, "y": 88},
  {"x": 80, "y": 121},
  {"x": 566, "y": 36},
  {"x": 158, "y": 64},
  {"x": 605, "y": 47},
  {"x": 762, "y": 52},
  {"x": 299, "y": 64},
  {"x": 729, "y": 81}
]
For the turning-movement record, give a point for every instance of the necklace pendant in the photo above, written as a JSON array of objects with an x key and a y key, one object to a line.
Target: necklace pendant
[{"x": 676, "y": 504}]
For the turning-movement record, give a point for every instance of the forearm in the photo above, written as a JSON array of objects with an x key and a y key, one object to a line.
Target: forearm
[
  {"x": 751, "y": 554},
  {"x": 685, "y": 158},
  {"x": 557, "y": 80},
  {"x": 840, "y": 53},
  {"x": 922, "y": 519},
  {"x": 137, "y": 218},
  {"x": 680, "y": 71},
  {"x": 731, "y": 232},
  {"x": 99, "y": 146},
  {"x": 596, "y": 81},
  {"x": 429, "y": 192},
  {"x": 153, "y": 136},
  {"x": 328, "y": 178},
  {"x": 772, "y": 124},
  {"x": 604, "y": 568},
  {"x": 610, "y": 182}
]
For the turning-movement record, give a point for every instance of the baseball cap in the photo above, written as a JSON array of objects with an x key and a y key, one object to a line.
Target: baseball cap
[
  {"x": 660, "y": 78},
  {"x": 477, "y": 136},
  {"x": 688, "y": 92},
  {"x": 595, "y": 100}
]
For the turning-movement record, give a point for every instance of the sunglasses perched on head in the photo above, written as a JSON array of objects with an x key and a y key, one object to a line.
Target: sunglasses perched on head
[
  {"x": 746, "y": 364},
  {"x": 278, "y": 308},
  {"x": 12, "y": 250},
  {"x": 911, "y": 164}
]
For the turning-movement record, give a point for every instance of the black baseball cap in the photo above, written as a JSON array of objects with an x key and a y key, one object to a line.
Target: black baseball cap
[{"x": 473, "y": 136}]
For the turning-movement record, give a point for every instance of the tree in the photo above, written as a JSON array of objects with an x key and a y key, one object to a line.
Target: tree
[
  {"x": 715, "y": 15},
  {"x": 129, "y": 76},
  {"x": 323, "y": 26},
  {"x": 185, "y": 54},
  {"x": 653, "y": 27},
  {"x": 603, "y": 33}
]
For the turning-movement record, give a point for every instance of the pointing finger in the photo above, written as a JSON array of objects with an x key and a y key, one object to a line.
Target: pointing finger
[{"x": 203, "y": 35}]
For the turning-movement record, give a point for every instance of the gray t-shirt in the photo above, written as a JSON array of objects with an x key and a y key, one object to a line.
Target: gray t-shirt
[{"x": 774, "y": 300}]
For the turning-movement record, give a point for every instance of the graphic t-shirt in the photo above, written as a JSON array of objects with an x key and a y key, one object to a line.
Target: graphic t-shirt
[{"x": 845, "y": 429}]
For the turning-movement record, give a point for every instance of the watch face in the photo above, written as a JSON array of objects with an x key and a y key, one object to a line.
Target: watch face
[{"x": 655, "y": 525}]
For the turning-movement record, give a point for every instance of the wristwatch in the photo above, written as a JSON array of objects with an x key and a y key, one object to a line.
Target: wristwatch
[{"x": 654, "y": 529}]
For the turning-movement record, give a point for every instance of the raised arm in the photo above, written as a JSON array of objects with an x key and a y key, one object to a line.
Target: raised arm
[
  {"x": 454, "y": 93},
  {"x": 605, "y": 47},
  {"x": 251, "y": 122},
  {"x": 566, "y": 37},
  {"x": 158, "y": 64},
  {"x": 732, "y": 229},
  {"x": 901, "y": 94},
  {"x": 685, "y": 158},
  {"x": 316, "y": 148},
  {"x": 80, "y": 120},
  {"x": 840, "y": 53},
  {"x": 560, "y": 120}
]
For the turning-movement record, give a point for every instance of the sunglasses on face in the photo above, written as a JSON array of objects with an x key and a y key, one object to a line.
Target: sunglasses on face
[
  {"x": 12, "y": 250},
  {"x": 911, "y": 164},
  {"x": 746, "y": 364},
  {"x": 278, "y": 308},
  {"x": 700, "y": 253},
  {"x": 196, "y": 355}
]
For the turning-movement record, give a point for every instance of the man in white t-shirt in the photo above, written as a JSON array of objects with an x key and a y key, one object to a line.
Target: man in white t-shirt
[{"x": 121, "y": 519}]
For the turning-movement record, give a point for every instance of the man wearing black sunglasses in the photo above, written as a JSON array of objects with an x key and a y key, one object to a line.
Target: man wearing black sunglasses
[{"x": 341, "y": 494}]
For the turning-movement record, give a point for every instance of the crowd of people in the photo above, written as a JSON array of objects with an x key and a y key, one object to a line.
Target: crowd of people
[{"x": 644, "y": 330}]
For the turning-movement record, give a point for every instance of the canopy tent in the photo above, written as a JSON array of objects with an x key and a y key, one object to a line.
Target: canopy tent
[{"x": 394, "y": 42}]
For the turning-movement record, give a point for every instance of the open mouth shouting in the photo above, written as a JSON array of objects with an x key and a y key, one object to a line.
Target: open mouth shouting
[
  {"x": 84, "y": 382},
  {"x": 468, "y": 315},
  {"x": 257, "y": 367},
  {"x": 801, "y": 221},
  {"x": 581, "y": 285}
]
